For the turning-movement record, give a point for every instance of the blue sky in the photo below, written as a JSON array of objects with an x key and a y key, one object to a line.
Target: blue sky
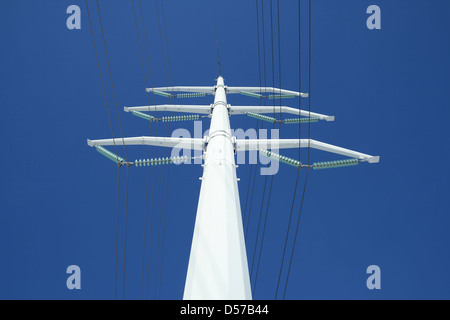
[{"x": 388, "y": 90}]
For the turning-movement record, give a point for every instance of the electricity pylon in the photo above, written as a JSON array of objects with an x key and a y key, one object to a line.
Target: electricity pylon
[{"x": 218, "y": 266}]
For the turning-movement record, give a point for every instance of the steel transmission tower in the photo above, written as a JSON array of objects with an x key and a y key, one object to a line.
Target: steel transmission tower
[{"x": 218, "y": 266}]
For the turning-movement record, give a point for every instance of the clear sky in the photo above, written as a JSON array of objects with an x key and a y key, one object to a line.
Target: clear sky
[{"x": 388, "y": 90}]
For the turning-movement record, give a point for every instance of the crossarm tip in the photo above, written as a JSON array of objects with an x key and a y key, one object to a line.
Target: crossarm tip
[{"x": 374, "y": 159}]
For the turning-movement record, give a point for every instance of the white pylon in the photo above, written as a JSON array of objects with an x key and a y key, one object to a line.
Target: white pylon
[{"x": 218, "y": 266}]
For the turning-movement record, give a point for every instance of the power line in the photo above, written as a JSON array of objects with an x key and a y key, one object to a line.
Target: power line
[
  {"x": 299, "y": 78},
  {"x": 125, "y": 238},
  {"x": 159, "y": 230},
  {"x": 296, "y": 232},
  {"x": 273, "y": 64},
  {"x": 115, "y": 148},
  {"x": 167, "y": 43},
  {"x": 101, "y": 77},
  {"x": 279, "y": 53},
  {"x": 147, "y": 50},
  {"x": 162, "y": 173},
  {"x": 273, "y": 126},
  {"x": 161, "y": 41},
  {"x": 253, "y": 185},
  {"x": 307, "y": 172},
  {"x": 259, "y": 222},
  {"x": 309, "y": 81},
  {"x": 123, "y": 141},
  {"x": 298, "y": 172},
  {"x": 163, "y": 196},
  {"x": 168, "y": 167},
  {"x": 149, "y": 149},
  {"x": 257, "y": 121},
  {"x": 117, "y": 232},
  {"x": 265, "y": 92},
  {"x": 287, "y": 234},
  {"x": 263, "y": 234},
  {"x": 148, "y": 169},
  {"x": 111, "y": 79},
  {"x": 272, "y": 177},
  {"x": 164, "y": 225},
  {"x": 151, "y": 219},
  {"x": 149, "y": 155}
]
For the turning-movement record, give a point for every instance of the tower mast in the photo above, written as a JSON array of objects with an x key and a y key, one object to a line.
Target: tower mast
[{"x": 218, "y": 266}]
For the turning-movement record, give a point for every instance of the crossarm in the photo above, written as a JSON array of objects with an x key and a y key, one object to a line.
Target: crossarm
[
  {"x": 257, "y": 144},
  {"x": 265, "y": 90},
  {"x": 182, "y": 143},
  {"x": 171, "y": 108},
  {"x": 209, "y": 90},
  {"x": 261, "y": 109}
]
